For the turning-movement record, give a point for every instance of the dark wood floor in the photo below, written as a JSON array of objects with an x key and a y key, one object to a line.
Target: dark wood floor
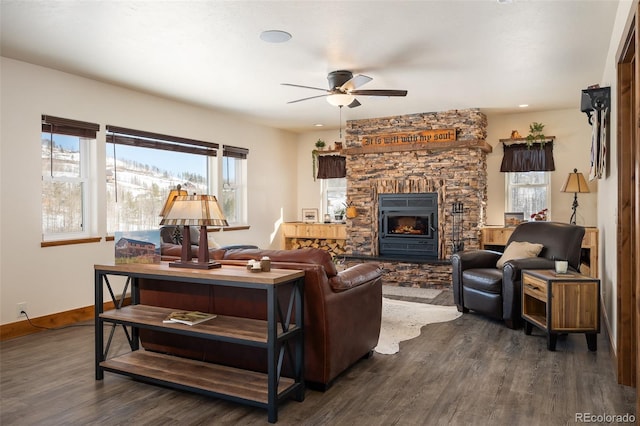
[{"x": 471, "y": 371}]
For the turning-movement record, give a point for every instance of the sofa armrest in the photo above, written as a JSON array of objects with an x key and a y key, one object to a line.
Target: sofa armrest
[{"x": 355, "y": 276}]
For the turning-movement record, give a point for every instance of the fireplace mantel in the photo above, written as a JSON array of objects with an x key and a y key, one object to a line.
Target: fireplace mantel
[{"x": 431, "y": 146}]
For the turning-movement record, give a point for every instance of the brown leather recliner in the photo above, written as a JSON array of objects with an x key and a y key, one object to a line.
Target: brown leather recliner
[
  {"x": 478, "y": 285},
  {"x": 343, "y": 313}
]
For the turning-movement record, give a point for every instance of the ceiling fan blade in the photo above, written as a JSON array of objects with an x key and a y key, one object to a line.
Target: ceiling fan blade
[
  {"x": 304, "y": 99},
  {"x": 304, "y": 87},
  {"x": 354, "y": 104},
  {"x": 355, "y": 82},
  {"x": 379, "y": 92}
]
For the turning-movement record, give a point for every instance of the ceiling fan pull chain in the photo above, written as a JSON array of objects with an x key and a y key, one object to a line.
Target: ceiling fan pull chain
[{"x": 340, "y": 122}]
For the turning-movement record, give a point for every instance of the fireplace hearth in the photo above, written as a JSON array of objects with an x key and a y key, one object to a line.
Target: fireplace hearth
[{"x": 408, "y": 225}]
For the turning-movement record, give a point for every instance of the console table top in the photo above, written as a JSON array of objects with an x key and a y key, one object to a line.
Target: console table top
[{"x": 225, "y": 273}]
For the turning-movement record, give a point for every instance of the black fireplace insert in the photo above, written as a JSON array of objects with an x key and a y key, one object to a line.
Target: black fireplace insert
[{"x": 408, "y": 225}]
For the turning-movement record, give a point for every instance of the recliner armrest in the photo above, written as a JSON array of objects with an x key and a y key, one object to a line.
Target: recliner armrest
[
  {"x": 355, "y": 276},
  {"x": 512, "y": 268},
  {"x": 476, "y": 259}
]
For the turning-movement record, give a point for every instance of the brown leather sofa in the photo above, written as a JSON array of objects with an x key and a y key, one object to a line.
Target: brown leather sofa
[
  {"x": 478, "y": 285},
  {"x": 342, "y": 313},
  {"x": 171, "y": 243}
]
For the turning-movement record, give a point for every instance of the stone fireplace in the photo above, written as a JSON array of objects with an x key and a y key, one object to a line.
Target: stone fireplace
[{"x": 453, "y": 172}]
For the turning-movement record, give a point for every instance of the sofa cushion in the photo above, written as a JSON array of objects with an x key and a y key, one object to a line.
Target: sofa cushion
[
  {"x": 305, "y": 255},
  {"x": 519, "y": 250},
  {"x": 488, "y": 280}
]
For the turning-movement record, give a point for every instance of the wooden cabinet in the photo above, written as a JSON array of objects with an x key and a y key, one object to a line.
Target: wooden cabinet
[
  {"x": 561, "y": 303},
  {"x": 497, "y": 237},
  {"x": 280, "y": 335}
]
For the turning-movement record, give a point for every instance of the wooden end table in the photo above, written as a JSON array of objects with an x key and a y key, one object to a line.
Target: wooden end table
[{"x": 561, "y": 303}]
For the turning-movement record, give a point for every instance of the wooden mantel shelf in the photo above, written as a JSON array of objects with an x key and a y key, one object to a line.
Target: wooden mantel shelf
[
  {"x": 524, "y": 140},
  {"x": 431, "y": 146}
]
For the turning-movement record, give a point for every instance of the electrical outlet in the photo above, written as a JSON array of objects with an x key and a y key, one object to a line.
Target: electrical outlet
[{"x": 22, "y": 306}]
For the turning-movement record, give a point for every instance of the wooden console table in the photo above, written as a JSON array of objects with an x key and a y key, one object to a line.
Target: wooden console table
[
  {"x": 497, "y": 237},
  {"x": 279, "y": 335},
  {"x": 561, "y": 303}
]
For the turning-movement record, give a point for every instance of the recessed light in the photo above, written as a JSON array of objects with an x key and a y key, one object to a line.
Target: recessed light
[
  {"x": 275, "y": 36},
  {"x": 523, "y": 105},
  {"x": 319, "y": 125}
]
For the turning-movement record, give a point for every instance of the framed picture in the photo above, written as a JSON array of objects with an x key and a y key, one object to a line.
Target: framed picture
[
  {"x": 513, "y": 218},
  {"x": 309, "y": 215},
  {"x": 137, "y": 246}
]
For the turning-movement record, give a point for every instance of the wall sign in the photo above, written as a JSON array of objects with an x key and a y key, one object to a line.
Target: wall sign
[{"x": 422, "y": 137}]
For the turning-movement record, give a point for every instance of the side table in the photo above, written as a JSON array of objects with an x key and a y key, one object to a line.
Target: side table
[{"x": 561, "y": 303}]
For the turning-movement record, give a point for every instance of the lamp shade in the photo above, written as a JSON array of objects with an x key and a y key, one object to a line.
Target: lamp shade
[
  {"x": 575, "y": 183},
  {"x": 195, "y": 210},
  {"x": 340, "y": 99},
  {"x": 173, "y": 194}
]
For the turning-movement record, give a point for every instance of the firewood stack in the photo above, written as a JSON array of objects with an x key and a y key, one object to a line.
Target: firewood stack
[{"x": 334, "y": 247}]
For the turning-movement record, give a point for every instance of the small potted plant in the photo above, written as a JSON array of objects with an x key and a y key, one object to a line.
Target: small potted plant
[
  {"x": 535, "y": 135},
  {"x": 338, "y": 214},
  {"x": 314, "y": 156}
]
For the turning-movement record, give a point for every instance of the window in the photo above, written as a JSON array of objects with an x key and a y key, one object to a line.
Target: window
[
  {"x": 334, "y": 195},
  {"x": 528, "y": 192},
  {"x": 65, "y": 148},
  {"x": 234, "y": 187},
  {"x": 142, "y": 167}
]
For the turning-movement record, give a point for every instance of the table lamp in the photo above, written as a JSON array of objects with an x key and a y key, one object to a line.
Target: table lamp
[
  {"x": 171, "y": 198},
  {"x": 195, "y": 210},
  {"x": 575, "y": 183}
]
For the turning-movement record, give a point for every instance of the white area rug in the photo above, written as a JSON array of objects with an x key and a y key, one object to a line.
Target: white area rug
[{"x": 403, "y": 320}]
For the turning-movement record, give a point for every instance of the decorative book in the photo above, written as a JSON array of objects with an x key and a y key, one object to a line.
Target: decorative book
[{"x": 188, "y": 317}]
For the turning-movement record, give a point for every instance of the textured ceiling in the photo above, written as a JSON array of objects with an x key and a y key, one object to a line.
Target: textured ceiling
[{"x": 447, "y": 54}]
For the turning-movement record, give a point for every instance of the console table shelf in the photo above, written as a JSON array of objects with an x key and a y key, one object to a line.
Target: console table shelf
[
  {"x": 196, "y": 376},
  {"x": 279, "y": 335},
  {"x": 234, "y": 329}
]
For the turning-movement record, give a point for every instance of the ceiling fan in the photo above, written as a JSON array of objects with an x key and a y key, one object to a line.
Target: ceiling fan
[{"x": 343, "y": 87}]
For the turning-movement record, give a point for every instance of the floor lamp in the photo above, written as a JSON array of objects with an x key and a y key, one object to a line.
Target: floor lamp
[{"x": 575, "y": 183}]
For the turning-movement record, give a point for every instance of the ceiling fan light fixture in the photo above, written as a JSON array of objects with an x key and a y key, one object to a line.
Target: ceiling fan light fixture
[{"x": 340, "y": 99}]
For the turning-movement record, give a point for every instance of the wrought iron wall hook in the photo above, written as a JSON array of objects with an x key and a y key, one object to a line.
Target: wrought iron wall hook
[{"x": 595, "y": 99}]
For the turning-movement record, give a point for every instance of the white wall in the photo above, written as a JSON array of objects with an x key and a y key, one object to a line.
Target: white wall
[
  {"x": 309, "y": 191},
  {"x": 571, "y": 149},
  {"x": 57, "y": 279},
  {"x": 608, "y": 194}
]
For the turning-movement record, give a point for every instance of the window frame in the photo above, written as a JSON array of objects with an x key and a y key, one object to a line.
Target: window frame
[
  {"x": 508, "y": 186},
  {"x": 324, "y": 189},
  {"x": 241, "y": 173},
  {"x": 116, "y": 135},
  {"x": 87, "y": 134}
]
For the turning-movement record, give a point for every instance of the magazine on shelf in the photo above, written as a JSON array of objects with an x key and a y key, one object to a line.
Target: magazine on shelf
[{"x": 188, "y": 317}]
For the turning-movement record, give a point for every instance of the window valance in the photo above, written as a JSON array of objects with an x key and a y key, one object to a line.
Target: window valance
[
  {"x": 522, "y": 158},
  {"x": 234, "y": 151},
  {"x": 332, "y": 166},
  {"x": 144, "y": 139},
  {"x": 66, "y": 126}
]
